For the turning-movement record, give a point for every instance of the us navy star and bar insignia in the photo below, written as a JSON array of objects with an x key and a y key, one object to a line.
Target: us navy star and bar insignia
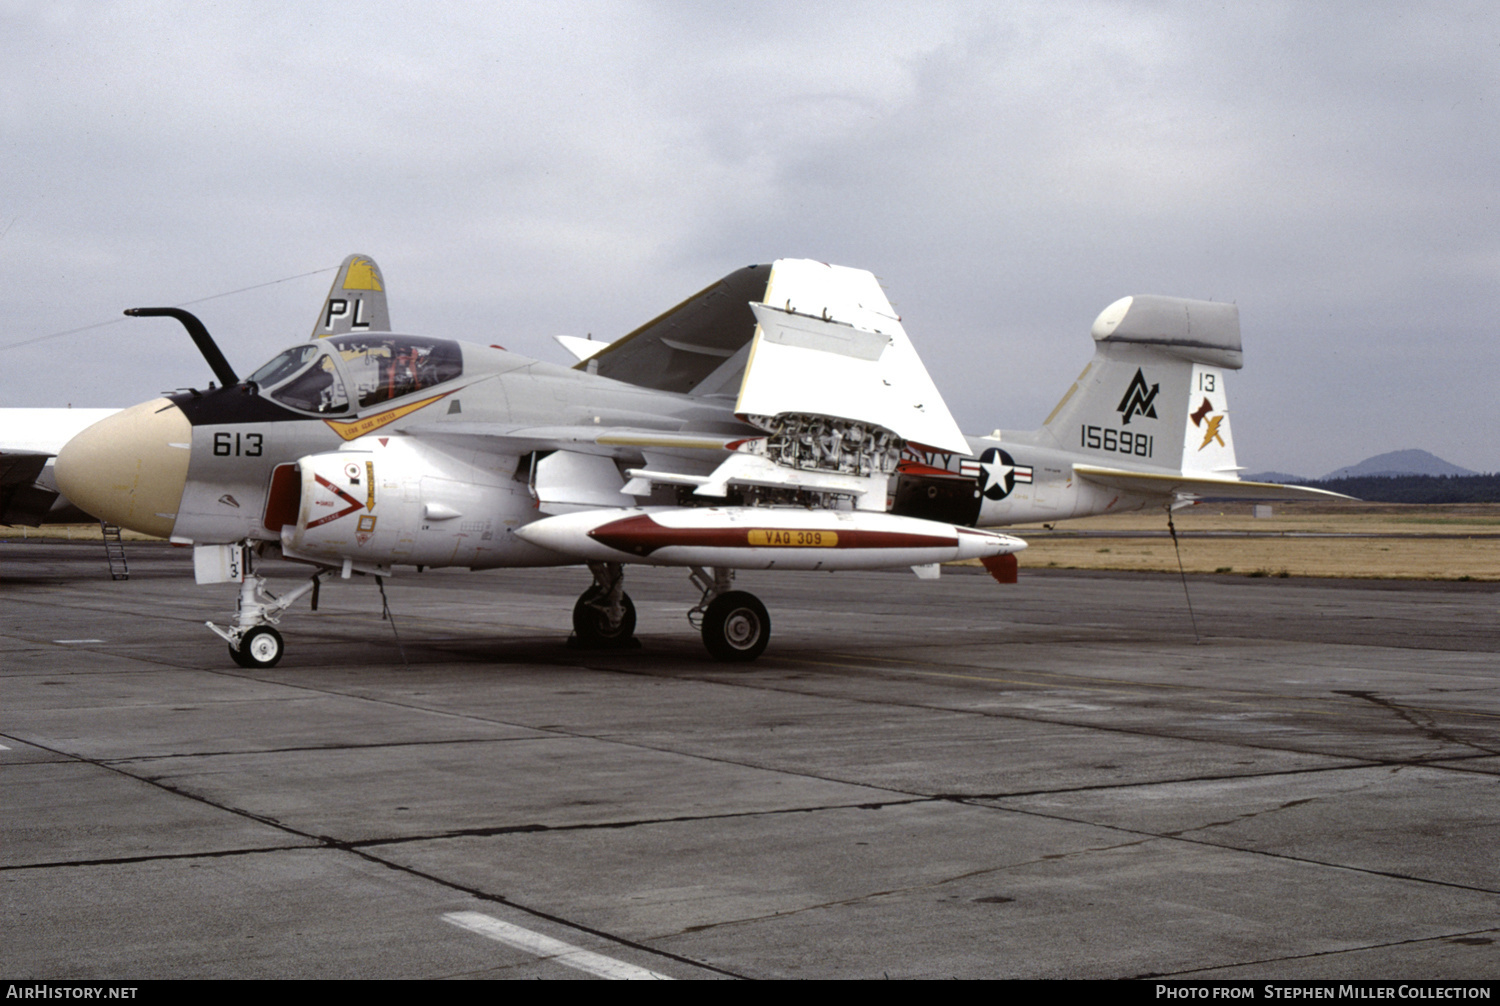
[{"x": 999, "y": 474}]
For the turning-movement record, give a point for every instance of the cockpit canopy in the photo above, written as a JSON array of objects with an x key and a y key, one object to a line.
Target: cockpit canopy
[{"x": 354, "y": 372}]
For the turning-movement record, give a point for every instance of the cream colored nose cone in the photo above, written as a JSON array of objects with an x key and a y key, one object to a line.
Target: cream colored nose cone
[{"x": 130, "y": 469}]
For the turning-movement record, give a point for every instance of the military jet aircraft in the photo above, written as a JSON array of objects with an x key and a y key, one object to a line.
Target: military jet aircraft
[{"x": 779, "y": 418}]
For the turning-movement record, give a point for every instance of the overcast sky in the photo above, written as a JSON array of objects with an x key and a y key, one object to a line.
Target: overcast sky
[{"x": 1007, "y": 170}]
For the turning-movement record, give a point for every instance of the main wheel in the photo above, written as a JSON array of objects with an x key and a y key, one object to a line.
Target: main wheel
[
  {"x": 261, "y": 647},
  {"x": 736, "y": 627},
  {"x": 592, "y": 625}
]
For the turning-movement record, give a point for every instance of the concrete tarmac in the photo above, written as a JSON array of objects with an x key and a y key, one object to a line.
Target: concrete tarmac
[{"x": 918, "y": 779}]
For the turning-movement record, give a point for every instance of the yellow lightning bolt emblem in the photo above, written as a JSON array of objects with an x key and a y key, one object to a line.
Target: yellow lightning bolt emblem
[{"x": 1212, "y": 433}]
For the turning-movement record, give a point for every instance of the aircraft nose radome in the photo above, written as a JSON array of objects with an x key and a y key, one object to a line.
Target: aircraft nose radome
[{"x": 130, "y": 469}]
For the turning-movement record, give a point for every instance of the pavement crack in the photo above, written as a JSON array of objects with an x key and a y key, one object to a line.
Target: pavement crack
[
  {"x": 526, "y": 829},
  {"x": 911, "y": 888},
  {"x": 1186, "y": 836},
  {"x": 1248, "y": 815},
  {"x": 299, "y": 749},
  {"x": 1475, "y": 937},
  {"x": 1425, "y": 723},
  {"x": 500, "y": 899},
  {"x": 325, "y": 842},
  {"x": 158, "y": 857}
]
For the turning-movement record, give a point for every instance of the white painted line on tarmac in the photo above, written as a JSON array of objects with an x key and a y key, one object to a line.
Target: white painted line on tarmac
[
  {"x": 66, "y": 642},
  {"x": 548, "y": 948},
  {"x": 4, "y": 747}
]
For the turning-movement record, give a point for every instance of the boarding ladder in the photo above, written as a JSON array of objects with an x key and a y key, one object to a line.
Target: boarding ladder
[{"x": 114, "y": 551}]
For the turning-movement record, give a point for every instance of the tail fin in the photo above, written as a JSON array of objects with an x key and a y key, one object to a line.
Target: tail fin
[
  {"x": 1154, "y": 393},
  {"x": 356, "y": 301}
]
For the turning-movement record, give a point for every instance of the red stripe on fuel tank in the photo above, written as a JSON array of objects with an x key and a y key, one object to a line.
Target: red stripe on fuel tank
[{"x": 641, "y": 535}]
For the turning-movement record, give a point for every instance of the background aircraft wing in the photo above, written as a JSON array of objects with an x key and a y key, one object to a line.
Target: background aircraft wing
[
  {"x": 22, "y": 500},
  {"x": 1152, "y": 484},
  {"x": 29, "y": 439}
]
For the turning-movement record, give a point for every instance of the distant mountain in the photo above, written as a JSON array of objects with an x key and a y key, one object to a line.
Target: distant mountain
[
  {"x": 1281, "y": 478},
  {"x": 1409, "y": 462},
  {"x": 1417, "y": 488}
]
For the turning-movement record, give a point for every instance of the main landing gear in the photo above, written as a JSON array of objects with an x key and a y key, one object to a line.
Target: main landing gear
[
  {"x": 604, "y": 616},
  {"x": 735, "y": 625}
]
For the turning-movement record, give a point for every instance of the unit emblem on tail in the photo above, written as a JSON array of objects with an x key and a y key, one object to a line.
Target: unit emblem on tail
[
  {"x": 1211, "y": 433},
  {"x": 1139, "y": 399},
  {"x": 1211, "y": 426}
]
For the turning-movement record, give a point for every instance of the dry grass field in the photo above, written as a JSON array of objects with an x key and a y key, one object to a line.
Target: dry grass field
[
  {"x": 1369, "y": 540},
  {"x": 66, "y": 532}
]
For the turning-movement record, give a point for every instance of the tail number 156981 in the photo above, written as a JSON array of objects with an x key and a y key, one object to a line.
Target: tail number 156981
[{"x": 1120, "y": 441}]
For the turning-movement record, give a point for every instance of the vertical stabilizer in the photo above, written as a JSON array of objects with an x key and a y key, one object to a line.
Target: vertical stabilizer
[
  {"x": 1154, "y": 393},
  {"x": 356, "y": 301}
]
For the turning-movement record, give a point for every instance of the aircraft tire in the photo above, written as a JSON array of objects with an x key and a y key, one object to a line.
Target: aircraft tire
[
  {"x": 736, "y": 627},
  {"x": 591, "y": 626},
  {"x": 261, "y": 647}
]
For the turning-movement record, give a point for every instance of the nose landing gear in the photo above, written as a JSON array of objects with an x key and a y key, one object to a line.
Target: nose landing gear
[{"x": 253, "y": 643}]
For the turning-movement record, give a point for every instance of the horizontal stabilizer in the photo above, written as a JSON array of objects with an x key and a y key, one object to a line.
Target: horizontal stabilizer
[
  {"x": 1151, "y": 484},
  {"x": 1199, "y": 330}
]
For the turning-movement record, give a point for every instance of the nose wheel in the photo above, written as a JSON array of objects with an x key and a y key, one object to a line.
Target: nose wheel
[
  {"x": 259, "y": 648},
  {"x": 253, "y": 643}
]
